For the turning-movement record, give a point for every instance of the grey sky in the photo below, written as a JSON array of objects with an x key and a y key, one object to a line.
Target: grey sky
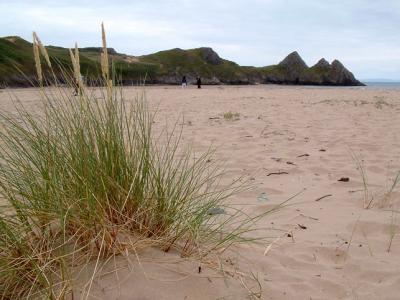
[{"x": 363, "y": 34}]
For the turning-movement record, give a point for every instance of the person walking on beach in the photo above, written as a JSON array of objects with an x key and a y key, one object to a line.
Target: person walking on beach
[
  {"x": 198, "y": 82},
  {"x": 184, "y": 82}
]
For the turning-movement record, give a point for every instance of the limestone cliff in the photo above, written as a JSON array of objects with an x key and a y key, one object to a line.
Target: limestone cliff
[{"x": 168, "y": 67}]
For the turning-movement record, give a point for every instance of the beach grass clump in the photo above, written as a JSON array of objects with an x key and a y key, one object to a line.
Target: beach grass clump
[
  {"x": 378, "y": 197},
  {"x": 231, "y": 116},
  {"x": 84, "y": 178}
]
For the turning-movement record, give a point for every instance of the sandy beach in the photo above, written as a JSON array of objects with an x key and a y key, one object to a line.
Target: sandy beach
[{"x": 328, "y": 242}]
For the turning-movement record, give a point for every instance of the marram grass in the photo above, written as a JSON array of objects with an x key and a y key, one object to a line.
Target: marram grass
[{"x": 85, "y": 178}]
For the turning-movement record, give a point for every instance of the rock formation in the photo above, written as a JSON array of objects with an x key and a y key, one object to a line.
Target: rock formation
[
  {"x": 293, "y": 70},
  {"x": 210, "y": 56},
  {"x": 293, "y": 67},
  {"x": 340, "y": 75},
  {"x": 324, "y": 73},
  {"x": 168, "y": 67},
  {"x": 322, "y": 63}
]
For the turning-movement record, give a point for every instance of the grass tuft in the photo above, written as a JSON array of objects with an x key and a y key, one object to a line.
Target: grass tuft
[
  {"x": 230, "y": 116},
  {"x": 85, "y": 179}
]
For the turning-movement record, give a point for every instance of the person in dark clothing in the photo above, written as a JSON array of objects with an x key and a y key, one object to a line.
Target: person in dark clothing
[
  {"x": 199, "y": 82},
  {"x": 184, "y": 82}
]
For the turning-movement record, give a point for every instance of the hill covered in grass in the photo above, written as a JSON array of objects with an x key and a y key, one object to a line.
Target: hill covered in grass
[{"x": 17, "y": 67}]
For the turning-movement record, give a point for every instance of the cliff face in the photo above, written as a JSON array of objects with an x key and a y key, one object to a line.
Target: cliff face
[
  {"x": 339, "y": 74},
  {"x": 293, "y": 67},
  {"x": 210, "y": 56},
  {"x": 324, "y": 73},
  {"x": 168, "y": 67}
]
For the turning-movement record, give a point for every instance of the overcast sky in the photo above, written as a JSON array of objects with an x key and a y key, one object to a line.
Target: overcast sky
[{"x": 363, "y": 34}]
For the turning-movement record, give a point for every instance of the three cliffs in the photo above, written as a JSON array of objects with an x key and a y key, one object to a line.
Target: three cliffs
[{"x": 168, "y": 67}]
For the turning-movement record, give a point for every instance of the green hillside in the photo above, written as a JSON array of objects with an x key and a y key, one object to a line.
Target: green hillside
[
  {"x": 202, "y": 62},
  {"x": 17, "y": 67},
  {"x": 17, "y": 62}
]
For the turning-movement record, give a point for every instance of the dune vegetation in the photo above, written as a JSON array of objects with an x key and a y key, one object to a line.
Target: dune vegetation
[{"x": 84, "y": 179}]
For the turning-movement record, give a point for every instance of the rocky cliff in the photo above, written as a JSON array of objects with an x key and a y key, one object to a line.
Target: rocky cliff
[{"x": 168, "y": 67}]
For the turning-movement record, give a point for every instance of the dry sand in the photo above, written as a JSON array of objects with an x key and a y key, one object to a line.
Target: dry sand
[{"x": 336, "y": 249}]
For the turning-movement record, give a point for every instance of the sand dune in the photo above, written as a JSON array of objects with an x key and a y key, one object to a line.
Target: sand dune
[{"x": 286, "y": 140}]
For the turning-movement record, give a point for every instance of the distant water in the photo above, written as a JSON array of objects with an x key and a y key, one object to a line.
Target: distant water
[{"x": 383, "y": 85}]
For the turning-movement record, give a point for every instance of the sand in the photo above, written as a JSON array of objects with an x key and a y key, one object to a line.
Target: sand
[{"x": 286, "y": 140}]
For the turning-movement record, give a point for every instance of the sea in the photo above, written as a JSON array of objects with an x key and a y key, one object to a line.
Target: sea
[{"x": 382, "y": 85}]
